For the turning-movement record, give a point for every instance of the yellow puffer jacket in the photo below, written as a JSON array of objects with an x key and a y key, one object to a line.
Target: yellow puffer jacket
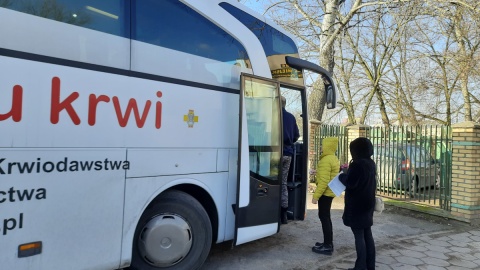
[{"x": 327, "y": 168}]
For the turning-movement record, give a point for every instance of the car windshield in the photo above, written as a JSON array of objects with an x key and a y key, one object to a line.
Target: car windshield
[
  {"x": 387, "y": 151},
  {"x": 412, "y": 152},
  {"x": 418, "y": 154}
]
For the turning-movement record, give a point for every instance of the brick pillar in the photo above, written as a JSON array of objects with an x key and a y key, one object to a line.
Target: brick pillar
[
  {"x": 354, "y": 132},
  {"x": 465, "y": 172}
]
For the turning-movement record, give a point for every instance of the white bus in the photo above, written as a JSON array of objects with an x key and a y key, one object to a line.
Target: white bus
[{"x": 140, "y": 132}]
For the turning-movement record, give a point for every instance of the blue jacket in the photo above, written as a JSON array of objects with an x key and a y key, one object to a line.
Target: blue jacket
[{"x": 290, "y": 132}]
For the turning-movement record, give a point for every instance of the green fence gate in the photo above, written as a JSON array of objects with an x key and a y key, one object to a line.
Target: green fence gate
[{"x": 413, "y": 162}]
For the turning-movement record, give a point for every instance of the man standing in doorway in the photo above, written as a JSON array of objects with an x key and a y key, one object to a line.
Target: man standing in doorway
[{"x": 290, "y": 136}]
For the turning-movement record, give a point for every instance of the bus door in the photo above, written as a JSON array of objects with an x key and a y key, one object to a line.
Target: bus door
[
  {"x": 257, "y": 210},
  {"x": 297, "y": 179}
]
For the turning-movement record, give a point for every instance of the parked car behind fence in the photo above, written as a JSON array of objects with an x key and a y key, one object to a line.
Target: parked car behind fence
[{"x": 402, "y": 167}]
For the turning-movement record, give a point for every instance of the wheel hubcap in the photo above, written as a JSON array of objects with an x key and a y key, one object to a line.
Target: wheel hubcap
[{"x": 165, "y": 240}]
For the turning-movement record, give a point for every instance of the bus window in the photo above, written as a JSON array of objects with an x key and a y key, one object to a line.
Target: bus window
[
  {"x": 275, "y": 44},
  {"x": 273, "y": 41},
  {"x": 173, "y": 25},
  {"x": 264, "y": 125},
  {"x": 294, "y": 105},
  {"x": 106, "y": 16}
]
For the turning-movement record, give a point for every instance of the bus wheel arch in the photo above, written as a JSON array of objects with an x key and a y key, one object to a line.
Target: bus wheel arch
[
  {"x": 174, "y": 232},
  {"x": 207, "y": 202}
]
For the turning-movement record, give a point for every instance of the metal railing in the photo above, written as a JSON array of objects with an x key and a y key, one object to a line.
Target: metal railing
[{"x": 413, "y": 162}]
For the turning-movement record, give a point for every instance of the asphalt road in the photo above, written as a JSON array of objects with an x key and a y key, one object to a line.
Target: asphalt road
[{"x": 291, "y": 247}]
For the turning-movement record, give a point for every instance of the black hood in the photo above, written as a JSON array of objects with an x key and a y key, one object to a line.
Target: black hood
[{"x": 361, "y": 148}]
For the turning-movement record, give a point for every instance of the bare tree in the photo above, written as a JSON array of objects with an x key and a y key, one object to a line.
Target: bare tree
[
  {"x": 410, "y": 75},
  {"x": 437, "y": 45},
  {"x": 318, "y": 24},
  {"x": 467, "y": 47},
  {"x": 317, "y": 31},
  {"x": 460, "y": 22},
  {"x": 345, "y": 70}
]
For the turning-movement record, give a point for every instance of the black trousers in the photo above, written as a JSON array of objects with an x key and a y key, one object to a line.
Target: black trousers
[
  {"x": 324, "y": 206},
  {"x": 365, "y": 247}
]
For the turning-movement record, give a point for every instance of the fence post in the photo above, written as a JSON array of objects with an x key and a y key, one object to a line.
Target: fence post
[
  {"x": 465, "y": 175},
  {"x": 354, "y": 132}
]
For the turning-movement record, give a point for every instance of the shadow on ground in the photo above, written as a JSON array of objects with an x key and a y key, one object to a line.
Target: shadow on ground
[{"x": 291, "y": 247}]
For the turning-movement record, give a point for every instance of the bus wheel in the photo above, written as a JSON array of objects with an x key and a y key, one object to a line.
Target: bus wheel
[{"x": 173, "y": 233}]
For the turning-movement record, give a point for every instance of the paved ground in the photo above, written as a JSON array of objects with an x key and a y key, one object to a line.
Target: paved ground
[{"x": 404, "y": 240}]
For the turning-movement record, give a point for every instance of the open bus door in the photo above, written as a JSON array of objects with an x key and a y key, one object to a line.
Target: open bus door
[
  {"x": 297, "y": 178},
  {"x": 259, "y": 165},
  {"x": 257, "y": 210}
]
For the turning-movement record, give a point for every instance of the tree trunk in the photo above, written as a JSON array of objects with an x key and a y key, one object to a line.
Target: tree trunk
[
  {"x": 464, "y": 65},
  {"x": 317, "y": 96},
  {"x": 382, "y": 107}
]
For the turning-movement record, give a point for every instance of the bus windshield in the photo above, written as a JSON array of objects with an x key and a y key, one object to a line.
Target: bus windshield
[{"x": 275, "y": 44}]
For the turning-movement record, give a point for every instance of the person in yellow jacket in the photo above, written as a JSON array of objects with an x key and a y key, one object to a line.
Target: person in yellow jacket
[{"x": 327, "y": 168}]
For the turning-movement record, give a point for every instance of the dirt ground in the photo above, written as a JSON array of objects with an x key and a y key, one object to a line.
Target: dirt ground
[{"x": 291, "y": 247}]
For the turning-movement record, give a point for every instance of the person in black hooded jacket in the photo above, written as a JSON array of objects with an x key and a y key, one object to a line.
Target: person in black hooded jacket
[{"x": 360, "y": 187}]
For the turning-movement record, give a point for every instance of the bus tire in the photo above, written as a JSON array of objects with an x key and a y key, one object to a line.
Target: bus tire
[{"x": 173, "y": 233}]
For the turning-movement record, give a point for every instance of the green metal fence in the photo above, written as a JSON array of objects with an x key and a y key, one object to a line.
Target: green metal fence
[{"x": 413, "y": 162}]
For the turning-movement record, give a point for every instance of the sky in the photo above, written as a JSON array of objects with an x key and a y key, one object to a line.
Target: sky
[{"x": 256, "y": 5}]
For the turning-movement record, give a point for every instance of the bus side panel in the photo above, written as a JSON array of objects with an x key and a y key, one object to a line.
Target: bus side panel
[
  {"x": 141, "y": 191},
  {"x": 231, "y": 194},
  {"x": 156, "y": 162},
  {"x": 47, "y": 105},
  {"x": 57, "y": 196}
]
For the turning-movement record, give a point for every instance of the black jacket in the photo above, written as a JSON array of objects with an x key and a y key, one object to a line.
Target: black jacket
[
  {"x": 290, "y": 132},
  {"x": 360, "y": 183}
]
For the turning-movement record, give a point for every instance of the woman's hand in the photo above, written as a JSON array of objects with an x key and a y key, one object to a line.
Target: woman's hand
[{"x": 314, "y": 201}]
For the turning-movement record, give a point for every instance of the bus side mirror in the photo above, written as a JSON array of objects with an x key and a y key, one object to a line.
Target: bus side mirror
[{"x": 330, "y": 94}]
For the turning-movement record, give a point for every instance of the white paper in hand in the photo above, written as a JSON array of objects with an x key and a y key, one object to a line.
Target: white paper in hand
[{"x": 336, "y": 186}]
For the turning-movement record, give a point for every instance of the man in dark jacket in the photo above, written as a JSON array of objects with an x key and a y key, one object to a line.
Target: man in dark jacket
[
  {"x": 361, "y": 185},
  {"x": 290, "y": 136}
]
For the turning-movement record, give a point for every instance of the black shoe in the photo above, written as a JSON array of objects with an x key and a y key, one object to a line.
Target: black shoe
[
  {"x": 326, "y": 249},
  {"x": 318, "y": 244}
]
